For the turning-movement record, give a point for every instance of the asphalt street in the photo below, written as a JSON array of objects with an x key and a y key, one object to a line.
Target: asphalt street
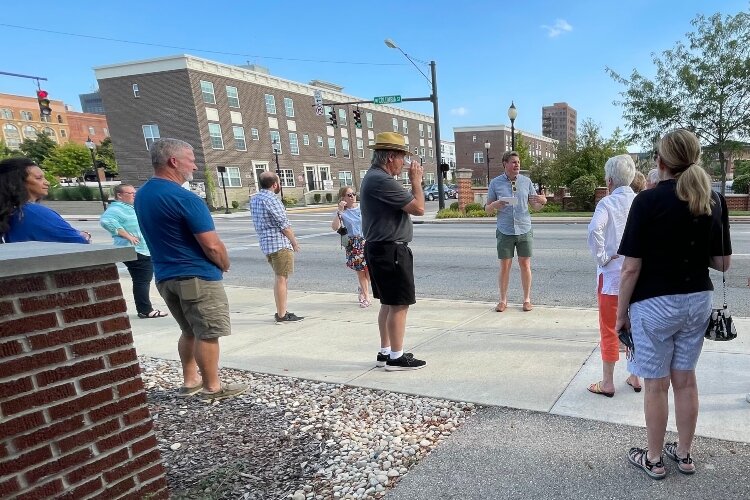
[{"x": 451, "y": 261}]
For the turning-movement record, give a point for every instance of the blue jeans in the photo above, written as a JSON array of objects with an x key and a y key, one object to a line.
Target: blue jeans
[{"x": 142, "y": 272}]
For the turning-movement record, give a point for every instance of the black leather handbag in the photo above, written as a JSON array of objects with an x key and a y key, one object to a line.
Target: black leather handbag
[
  {"x": 342, "y": 228},
  {"x": 720, "y": 324}
]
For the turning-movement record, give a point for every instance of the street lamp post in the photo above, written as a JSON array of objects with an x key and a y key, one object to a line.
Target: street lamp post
[
  {"x": 512, "y": 114},
  {"x": 487, "y": 150},
  {"x": 278, "y": 170},
  {"x": 92, "y": 149},
  {"x": 436, "y": 116},
  {"x": 222, "y": 170}
]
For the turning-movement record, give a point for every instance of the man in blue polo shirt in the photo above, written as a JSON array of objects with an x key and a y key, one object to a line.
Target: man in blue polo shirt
[
  {"x": 189, "y": 260},
  {"x": 511, "y": 194}
]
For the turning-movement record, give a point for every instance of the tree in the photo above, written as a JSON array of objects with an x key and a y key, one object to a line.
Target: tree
[
  {"x": 586, "y": 156},
  {"x": 38, "y": 149},
  {"x": 527, "y": 161},
  {"x": 541, "y": 173},
  {"x": 105, "y": 153},
  {"x": 5, "y": 151},
  {"x": 703, "y": 86},
  {"x": 69, "y": 160}
]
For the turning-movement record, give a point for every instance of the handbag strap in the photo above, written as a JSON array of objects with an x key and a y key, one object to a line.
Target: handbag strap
[{"x": 723, "y": 276}]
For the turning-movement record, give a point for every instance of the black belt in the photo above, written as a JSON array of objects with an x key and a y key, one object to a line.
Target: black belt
[
  {"x": 182, "y": 278},
  {"x": 405, "y": 243}
]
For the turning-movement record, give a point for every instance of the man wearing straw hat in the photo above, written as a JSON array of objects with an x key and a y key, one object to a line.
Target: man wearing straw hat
[{"x": 387, "y": 228}]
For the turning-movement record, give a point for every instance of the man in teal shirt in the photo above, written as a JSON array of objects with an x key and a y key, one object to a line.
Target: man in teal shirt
[{"x": 121, "y": 222}]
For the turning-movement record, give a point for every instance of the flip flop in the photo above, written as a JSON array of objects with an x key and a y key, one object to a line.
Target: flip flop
[
  {"x": 635, "y": 388},
  {"x": 597, "y": 389},
  {"x": 527, "y": 306},
  {"x": 500, "y": 307},
  {"x": 153, "y": 314}
]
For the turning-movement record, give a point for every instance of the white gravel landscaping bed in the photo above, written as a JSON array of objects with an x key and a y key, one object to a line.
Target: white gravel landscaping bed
[{"x": 291, "y": 438}]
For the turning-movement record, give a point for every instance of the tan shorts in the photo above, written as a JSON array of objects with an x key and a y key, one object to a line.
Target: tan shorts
[
  {"x": 282, "y": 262},
  {"x": 200, "y": 307}
]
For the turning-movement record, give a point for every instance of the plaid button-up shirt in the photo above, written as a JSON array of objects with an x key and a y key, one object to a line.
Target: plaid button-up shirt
[{"x": 269, "y": 219}]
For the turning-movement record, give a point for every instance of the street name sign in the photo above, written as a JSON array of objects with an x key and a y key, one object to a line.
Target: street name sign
[{"x": 387, "y": 99}]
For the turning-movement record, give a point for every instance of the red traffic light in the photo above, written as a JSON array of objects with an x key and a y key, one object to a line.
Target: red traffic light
[{"x": 41, "y": 94}]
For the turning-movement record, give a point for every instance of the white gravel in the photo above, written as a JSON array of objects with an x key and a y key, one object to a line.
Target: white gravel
[{"x": 292, "y": 438}]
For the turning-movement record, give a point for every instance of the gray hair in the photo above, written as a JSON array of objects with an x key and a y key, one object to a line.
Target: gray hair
[
  {"x": 164, "y": 149},
  {"x": 381, "y": 156},
  {"x": 620, "y": 170},
  {"x": 653, "y": 176},
  {"x": 120, "y": 187}
]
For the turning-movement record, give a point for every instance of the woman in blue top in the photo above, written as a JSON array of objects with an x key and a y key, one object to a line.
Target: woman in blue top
[
  {"x": 22, "y": 185},
  {"x": 350, "y": 217}
]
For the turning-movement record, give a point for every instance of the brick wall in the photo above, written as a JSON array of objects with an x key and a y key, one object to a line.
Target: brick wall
[
  {"x": 74, "y": 422},
  {"x": 738, "y": 201}
]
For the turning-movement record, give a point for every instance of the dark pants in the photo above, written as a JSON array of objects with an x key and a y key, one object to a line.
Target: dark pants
[{"x": 142, "y": 272}]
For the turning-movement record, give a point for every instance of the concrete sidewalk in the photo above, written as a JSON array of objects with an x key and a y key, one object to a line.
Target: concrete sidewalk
[{"x": 542, "y": 360}]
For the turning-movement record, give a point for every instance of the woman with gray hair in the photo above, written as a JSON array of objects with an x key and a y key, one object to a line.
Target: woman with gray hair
[
  {"x": 652, "y": 178},
  {"x": 605, "y": 232},
  {"x": 674, "y": 233}
]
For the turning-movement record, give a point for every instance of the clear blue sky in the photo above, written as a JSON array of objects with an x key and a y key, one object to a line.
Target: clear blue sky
[{"x": 488, "y": 53}]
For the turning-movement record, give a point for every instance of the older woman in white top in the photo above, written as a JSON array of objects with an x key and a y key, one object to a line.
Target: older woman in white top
[{"x": 605, "y": 232}]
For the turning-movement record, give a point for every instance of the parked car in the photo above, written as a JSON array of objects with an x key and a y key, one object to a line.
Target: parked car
[
  {"x": 452, "y": 191},
  {"x": 431, "y": 192}
]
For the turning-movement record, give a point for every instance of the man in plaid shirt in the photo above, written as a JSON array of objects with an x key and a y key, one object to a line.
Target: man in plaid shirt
[{"x": 276, "y": 239}]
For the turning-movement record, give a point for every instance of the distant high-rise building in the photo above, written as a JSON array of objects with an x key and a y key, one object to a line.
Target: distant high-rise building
[
  {"x": 92, "y": 103},
  {"x": 559, "y": 122}
]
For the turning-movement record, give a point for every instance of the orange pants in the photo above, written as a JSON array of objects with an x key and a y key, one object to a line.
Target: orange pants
[{"x": 610, "y": 344}]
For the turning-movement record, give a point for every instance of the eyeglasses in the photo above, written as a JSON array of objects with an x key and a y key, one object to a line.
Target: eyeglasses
[
  {"x": 127, "y": 192},
  {"x": 351, "y": 195}
]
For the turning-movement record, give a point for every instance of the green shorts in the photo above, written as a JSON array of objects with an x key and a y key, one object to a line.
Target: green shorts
[
  {"x": 199, "y": 306},
  {"x": 507, "y": 243}
]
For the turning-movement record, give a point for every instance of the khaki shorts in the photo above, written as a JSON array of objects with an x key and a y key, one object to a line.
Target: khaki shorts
[
  {"x": 507, "y": 243},
  {"x": 282, "y": 262},
  {"x": 200, "y": 307}
]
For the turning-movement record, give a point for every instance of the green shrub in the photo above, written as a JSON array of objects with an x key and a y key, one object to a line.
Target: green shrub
[
  {"x": 741, "y": 184},
  {"x": 84, "y": 193},
  {"x": 454, "y": 206},
  {"x": 62, "y": 194},
  {"x": 316, "y": 198},
  {"x": 471, "y": 207},
  {"x": 288, "y": 201},
  {"x": 551, "y": 208},
  {"x": 329, "y": 197},
  {"x": 235, "y": 204},
  {"x": 583, "y": 191},
  {"x": 449, "y": 213},
  {"x": 477, "y": 213}
]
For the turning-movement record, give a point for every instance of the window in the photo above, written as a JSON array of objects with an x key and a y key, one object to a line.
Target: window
[
  {"x": 429, "y": 131},
  {"x": 421, "y": 130},
  {"x": 421, "y": 152},
  {"x": 342, "y": 117},
  {"x": 207, "y": 90},
  {"x": 45, "y": 118},
  {"x": 150, "y": 134},
  {"x": 345, "y": 178},
  {"x": 332, "y": 146},
  {"x": 214, "y": 131},
  {"x": 429, "y": 152},
  {"x": 239, "y": 138},
  {"x": 12, "y": 137},
  {"x": 405, "y": 127},
  {"x": 233, "y": 98},
  {"x": 293, "y": 143},
  {"x": 289, "y": 107},
  {"x": 136, "y": 91},
  {"x": 276, "y": 141},
  {"x": 254, "y": 134},
  {"x": 232, "y": 175},
  {"x": 59, "y": 119},
  {"x": 320, "y": 141},
  {"x": 106, "y": 131},
  {"x": 29, "y": 132},
  {"x": 270, "y": 104},
  {"x": 474, "y": 138},
  {"x": 345, "y": 148},
  {"x": 50, "y": 133},
  {"x": 305, "y": 139},
  {"x": 6, "y": 113},
  {"x": 92, "y": 131},
  {"x": 361, "y": 148},
  {"x": 63, "y": 133},
  {"x": 368, "y": 116},
  {"x": 395, "y": 124},
  {"x": 26, "y": 115},
  {"x": 286, "y": 176},
  {"x": 478, "y": 157}
]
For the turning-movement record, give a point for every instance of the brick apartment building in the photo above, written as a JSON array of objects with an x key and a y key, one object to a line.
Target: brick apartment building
[
  {"x": 20, "y": 119},
  {"x": 232, "y": 115},
  {"x": 471, "y": 152},
  {"x": 560, "y": 122}
]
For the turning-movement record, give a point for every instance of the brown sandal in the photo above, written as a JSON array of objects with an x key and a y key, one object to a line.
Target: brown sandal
[{"x": 501, "y": 306}]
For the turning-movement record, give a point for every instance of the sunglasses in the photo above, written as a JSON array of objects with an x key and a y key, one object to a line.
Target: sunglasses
[
  {"x": 351, "y": 195},
  {"x": 513, "y": 186}
]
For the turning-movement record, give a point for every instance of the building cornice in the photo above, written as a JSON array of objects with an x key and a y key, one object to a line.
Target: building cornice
[
  {"x": 188, "y": 62},
  {"x": 504, "y": 128}
]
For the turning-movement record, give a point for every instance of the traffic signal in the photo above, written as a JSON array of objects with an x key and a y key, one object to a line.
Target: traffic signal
[
  {"x": 44, "y": 104},
  {"x": 332, "y": 117},
  {"x": 357, "y": 118},
  {"x": 445, "y": 168}
]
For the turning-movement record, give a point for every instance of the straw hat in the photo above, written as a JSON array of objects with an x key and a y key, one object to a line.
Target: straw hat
[{"x": 391, "y": 141}]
